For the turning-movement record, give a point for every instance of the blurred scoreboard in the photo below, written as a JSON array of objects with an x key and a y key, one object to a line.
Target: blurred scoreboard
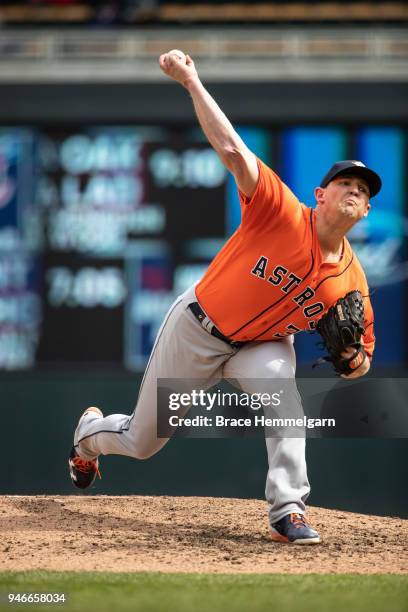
[{"x": 102, "y": 227}]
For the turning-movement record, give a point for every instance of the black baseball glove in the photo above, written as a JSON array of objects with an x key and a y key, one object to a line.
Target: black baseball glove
[{"x": 341, "y": 327}]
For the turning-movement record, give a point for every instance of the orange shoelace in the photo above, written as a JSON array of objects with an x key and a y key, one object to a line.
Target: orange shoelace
[
  {"x": 298, "y": 520},
  {"x": 85, "y": 466}
]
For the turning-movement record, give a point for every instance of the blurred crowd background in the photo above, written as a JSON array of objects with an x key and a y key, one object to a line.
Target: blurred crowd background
[
  {"x": 112, "y": 202},
  {"x": 133, "y": 12}
]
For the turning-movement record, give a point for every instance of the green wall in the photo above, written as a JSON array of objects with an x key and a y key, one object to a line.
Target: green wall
[{"x": 40, "y": 410}]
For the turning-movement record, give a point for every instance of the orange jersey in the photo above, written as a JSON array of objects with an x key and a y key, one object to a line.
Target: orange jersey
[{"x": 269, "y": 279}]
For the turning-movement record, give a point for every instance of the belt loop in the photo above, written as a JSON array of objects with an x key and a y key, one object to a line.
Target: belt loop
[{"x": 207, "y": 324}]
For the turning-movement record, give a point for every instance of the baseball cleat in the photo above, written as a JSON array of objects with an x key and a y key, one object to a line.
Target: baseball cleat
[
  {"x": 82, "y": 471},
  {"x": 294, "y": 529}
]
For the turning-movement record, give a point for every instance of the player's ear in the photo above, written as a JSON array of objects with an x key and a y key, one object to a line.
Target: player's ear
[
  {"x": 319, "y": 195},
  {"x": 367, "y": 209}
]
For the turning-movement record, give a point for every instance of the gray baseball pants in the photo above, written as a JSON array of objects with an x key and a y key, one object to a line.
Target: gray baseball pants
[{"x": 185, "y": 350}]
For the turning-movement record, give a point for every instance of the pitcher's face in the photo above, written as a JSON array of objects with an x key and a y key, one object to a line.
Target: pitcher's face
[{"x": 346, "y": 196}]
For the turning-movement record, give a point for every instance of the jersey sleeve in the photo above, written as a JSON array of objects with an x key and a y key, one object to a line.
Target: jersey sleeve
[
  {"x": 360, "y": 282},
  {"x": 272, "y": 202},
  {"x": 368, "y": 340}
]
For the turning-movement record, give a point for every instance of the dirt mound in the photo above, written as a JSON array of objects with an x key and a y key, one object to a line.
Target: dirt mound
[{"x": 187, "y": 534}]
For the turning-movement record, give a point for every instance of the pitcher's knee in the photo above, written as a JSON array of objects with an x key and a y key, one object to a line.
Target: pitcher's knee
[
  {"x": 144, "y": 454},
  {"x": 282, "y": 370},
  {"x": 143, "y": 451},
  {"x": 274, "y": 369}
]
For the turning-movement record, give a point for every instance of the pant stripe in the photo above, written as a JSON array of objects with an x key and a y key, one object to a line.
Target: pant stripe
[{"x": 126, "y": 427}]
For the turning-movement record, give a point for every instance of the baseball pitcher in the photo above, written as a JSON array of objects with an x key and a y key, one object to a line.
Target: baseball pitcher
[{"x": 286, "y": 269}]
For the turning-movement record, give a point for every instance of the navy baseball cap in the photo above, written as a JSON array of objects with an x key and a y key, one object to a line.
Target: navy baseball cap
[{"x": 350, "y": 166}]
